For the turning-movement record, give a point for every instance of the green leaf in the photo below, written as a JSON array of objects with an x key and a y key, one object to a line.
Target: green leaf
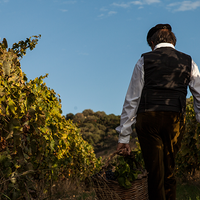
[
  {"x": 127, "y": 183},
  {"x": 6, "y": 68},
  {"x": 121, "y": 181},
  {"x": 52, "y": 145},
  {"x": 2, "y": 158}
]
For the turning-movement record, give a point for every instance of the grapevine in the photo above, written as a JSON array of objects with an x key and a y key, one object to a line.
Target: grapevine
[
  {"x": 36, "y": 141},
  {"x": 188, "y": 157},
  {"x": 124, "y": 170}
]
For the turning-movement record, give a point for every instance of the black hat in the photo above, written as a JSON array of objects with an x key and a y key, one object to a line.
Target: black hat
[{"x": 156, "y": 28}]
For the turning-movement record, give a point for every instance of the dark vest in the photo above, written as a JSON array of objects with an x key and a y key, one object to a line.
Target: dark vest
[{"x": 166, "y": 78}]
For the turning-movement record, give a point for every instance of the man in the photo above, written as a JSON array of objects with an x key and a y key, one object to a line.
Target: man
[{"x": 156, "y": 102}]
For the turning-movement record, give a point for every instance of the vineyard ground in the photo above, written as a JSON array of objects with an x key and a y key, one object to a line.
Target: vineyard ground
[
  {"x": 189, "y": 189},
  {"x": 73, "y": 190},
  {"x": 186, "y": 190}
]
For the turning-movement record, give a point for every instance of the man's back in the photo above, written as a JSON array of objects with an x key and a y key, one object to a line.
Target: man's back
[{"x": 166, "y": 76}]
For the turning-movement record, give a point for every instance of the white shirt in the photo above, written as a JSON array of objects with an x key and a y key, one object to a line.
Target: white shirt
[{"x": 133, "y": 95}]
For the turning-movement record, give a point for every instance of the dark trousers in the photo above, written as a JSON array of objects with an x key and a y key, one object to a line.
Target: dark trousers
[{"x": 160, "y": 135}]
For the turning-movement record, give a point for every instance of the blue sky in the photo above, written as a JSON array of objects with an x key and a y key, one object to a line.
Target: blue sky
[{"x": 89, "y": 47}]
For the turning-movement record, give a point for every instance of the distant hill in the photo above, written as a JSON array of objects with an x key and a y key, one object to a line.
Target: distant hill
[{"x": 98, "y": 129}]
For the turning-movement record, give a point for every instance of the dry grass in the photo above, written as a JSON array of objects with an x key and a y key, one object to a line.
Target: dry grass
[
  {"x": 65, "y": 189},
  {"x": 72, "y": 189}
]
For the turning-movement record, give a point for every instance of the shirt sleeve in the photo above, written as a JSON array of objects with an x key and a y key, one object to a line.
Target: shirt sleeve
[
  {"x": 131, "y": 103},
  {"x": 194, "y": 86}
]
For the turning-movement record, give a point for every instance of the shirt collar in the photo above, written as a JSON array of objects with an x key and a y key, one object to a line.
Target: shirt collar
[{"x": 164, "y": 45}]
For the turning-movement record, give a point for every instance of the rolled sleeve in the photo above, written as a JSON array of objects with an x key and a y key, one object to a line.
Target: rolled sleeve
[
  {"x": 194, "y": 86},
  {"x": 131, "y": 103}
]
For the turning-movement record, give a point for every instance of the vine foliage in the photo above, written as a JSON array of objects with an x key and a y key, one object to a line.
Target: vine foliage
[
  {"x": 188, "y": 158},
  {"x": 36, "y": 141}
]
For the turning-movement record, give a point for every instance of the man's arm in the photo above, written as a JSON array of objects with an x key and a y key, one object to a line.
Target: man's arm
[
  {"x": 131, "y": 103},
  {"x": 194, "y": 86}
]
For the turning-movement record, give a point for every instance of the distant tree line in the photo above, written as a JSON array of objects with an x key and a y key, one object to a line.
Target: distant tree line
[{"x": 97, "y": 128}]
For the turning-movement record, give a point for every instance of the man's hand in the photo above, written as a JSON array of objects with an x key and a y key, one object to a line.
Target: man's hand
[{"x": 126, "y": 149}]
